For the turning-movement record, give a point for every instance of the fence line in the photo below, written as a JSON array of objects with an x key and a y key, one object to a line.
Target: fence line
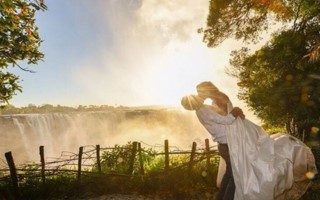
[{"x": 93, "y": 158}]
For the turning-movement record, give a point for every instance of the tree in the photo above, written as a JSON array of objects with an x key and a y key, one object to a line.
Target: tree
[
  {"x": 19, "y": 41},
  {"x": 246, "y": 19},
  {"x": 280, "y": 82}
]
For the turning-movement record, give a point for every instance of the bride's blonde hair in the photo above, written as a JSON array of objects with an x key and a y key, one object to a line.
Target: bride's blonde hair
[
  {"x": 206, "y": 89},
  {"x": 192, "y": 102}
]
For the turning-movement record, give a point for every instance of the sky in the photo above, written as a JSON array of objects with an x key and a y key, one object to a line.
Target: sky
[{"x": 124, "y": 52}]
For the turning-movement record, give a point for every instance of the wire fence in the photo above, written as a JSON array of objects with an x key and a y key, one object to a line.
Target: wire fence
[{"x": 88, "y": 161}]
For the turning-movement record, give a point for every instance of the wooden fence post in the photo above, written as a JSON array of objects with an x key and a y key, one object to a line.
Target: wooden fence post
[
  {"x": 98, "y": 158},
  {"x": 41, "y": 151},
  {"x": 140, "y": 159},
  {"x": 13, "y": 174},
  {"x": 207, "y": 154},
  {"x": 79, "y": 164},
  {"x": 132, "y": 158},
  {"x": 193, "y": 152},
  {"x": 166, "y": 151}
]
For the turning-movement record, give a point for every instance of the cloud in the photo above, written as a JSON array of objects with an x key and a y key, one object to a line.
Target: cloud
[
  {"x": 125, "y": 52},
  {"x": 173, "y": 20},
  {"x": 142, "y": 33},
  {"x": 149, "y": 52}
]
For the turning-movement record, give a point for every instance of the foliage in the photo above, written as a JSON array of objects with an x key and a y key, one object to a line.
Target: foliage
[
  {"x": 19, "y": 41},
  {"x": 61, "y": 186},
  {"x": 289, "y": 81},
  {"x": 180, "y": 182},
  {"x": 246, "y": 19},
  {"x": 283, "y": 74},
  {"x": 117, "y": 160},
  {"x": 273, "y": 129}
]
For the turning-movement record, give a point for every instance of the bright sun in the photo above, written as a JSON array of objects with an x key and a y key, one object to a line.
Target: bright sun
[{"x": 178, "y": 70}]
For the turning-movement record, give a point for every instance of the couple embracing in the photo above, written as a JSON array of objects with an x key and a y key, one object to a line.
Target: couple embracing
[{"x": 254, "y": 165}]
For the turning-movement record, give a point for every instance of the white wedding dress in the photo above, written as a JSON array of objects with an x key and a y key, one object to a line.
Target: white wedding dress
[{"x": 267, "y": 167}]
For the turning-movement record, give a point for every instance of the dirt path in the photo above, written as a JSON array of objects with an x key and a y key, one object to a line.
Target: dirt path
[{"x": 120, "y": 197}]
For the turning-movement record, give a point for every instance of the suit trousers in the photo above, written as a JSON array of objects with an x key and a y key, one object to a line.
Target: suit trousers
[{"x": 227, "y": 187}]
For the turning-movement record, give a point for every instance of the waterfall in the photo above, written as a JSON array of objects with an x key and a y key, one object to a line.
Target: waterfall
[
  {"x": 24, "y": 133},
  {"x": 41, "y": 125}
]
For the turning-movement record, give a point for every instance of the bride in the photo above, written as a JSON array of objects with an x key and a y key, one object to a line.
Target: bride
[{"x": 264, "y": 167}]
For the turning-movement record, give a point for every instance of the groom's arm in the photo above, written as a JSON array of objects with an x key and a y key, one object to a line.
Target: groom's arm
[{"x": 237, "y": 112}]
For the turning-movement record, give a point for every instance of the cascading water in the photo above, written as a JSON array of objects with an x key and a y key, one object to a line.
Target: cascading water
[
  {"x": 22, "y": 134},
  {"x": 57, "y": 132}
]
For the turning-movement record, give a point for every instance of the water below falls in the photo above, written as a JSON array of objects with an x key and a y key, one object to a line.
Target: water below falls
[{"x": 23, "y": 134}]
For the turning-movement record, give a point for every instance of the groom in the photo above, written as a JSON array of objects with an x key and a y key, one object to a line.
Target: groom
[{"x": 208, "y": 90}]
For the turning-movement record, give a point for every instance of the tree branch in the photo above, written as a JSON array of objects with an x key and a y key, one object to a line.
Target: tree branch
[
  {"x": 296, "y": 17},
  {"x": 16, "y": 64}
]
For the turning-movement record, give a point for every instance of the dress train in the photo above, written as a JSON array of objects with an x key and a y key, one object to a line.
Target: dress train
[{"x": 267, "y": 167}]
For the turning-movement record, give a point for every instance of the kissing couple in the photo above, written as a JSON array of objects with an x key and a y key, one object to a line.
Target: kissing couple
[{"x": 254, "y": 164}]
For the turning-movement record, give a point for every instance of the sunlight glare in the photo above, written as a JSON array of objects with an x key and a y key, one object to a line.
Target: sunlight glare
[{"x": 178, "y": 70}]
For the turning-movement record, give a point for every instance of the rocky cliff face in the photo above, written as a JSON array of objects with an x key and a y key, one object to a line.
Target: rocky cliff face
[{"x": 23, "y": 134}]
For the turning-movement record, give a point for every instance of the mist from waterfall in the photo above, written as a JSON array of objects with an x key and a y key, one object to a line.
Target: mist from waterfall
[{"x": 65, "y": 132}]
